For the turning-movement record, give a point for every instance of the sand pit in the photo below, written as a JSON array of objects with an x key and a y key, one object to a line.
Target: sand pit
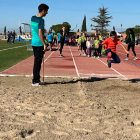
[{"x": 69, "y": 109}]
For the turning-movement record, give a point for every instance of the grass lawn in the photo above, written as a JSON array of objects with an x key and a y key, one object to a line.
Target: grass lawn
[{"x": 12, "y": 56}]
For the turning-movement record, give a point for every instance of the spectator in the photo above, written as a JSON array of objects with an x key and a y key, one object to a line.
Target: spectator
[
  {"x": 13, "y": 36},
  {"x": 8, "y": 39}
]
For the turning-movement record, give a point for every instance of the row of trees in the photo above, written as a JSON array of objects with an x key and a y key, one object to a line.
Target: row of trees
[
  {"x": 58, "y": 27},
  {"x": 102, "y": 22},
  {"x": 136, "y": 31}
]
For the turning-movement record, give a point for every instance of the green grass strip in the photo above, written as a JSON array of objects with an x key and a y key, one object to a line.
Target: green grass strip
[
  {"x": 11, "y": 57},
  {"x": 5, "y": 45}
]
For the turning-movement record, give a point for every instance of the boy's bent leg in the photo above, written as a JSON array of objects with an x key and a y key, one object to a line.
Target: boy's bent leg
[
  {"x": 109, "y": 55},
  {"x": 38, "y": 55},
  {"x": 115, "y": 58}
]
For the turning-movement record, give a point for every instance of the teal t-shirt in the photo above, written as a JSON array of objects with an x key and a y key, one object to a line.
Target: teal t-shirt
[
  {"x": 59, "y": 36},
  {"x": 36, "y": 24},
  {"x": 50, "y": 37}
]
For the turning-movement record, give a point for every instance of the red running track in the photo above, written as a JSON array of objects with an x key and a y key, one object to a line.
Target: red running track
[{"x": 73, "y": 65}]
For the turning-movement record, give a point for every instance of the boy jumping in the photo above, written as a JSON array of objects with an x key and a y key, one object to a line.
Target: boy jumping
[{"x": 111, "y": 44}]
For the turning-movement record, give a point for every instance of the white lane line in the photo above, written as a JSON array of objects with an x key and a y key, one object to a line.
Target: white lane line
[
  {"x": 48, "y": 57},
  {"x": 45, "y": 60},
  {"x": 12, "y": 48},
  {"x": 3, "y": 75},
  {"x": 8, "y": 75},
  {"x": 74, "y": 63},
  {"x": 16, "y": 64},
  {"x": 99, "y": 74},
  {"x": 113, "y": 69}
]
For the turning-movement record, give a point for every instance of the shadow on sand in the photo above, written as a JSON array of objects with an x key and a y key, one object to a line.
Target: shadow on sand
[{"x": 92, "y": 79}]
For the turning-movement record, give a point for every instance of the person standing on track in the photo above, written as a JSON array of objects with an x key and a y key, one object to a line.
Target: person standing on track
[
  {"x": 58, "y": 41},
  {"x": 62, "y": 40},
  {"x": 83, "y": 44},
  {"x": 111, "y": 43},
  {"x": 131, "y": 43},
  {"x": 92, "y": 47},
  {"x": 88, "y": 47},
  {"x": 50, "y": 40},
  {"x": 96, "y": 47},
  {"x": 55, "y": 39},
  {"x": 38, "y": 43}
]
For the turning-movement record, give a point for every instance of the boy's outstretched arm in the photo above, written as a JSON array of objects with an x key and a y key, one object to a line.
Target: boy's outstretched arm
[{"x": 124, "y": 49}]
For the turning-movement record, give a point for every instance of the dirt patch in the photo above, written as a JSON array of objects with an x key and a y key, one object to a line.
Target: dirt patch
[{"x": 69, "y": 109}]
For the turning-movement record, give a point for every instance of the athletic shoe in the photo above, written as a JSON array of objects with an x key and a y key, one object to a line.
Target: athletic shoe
[
  {"x": 94, "y": 56},
  {"x": 35, "y": 84},
  {"x": 109, "y": 64},
  {"x": 60, "y": 55},
  {"x": 50, "y": 50},
  {"x": 126, "y": 59},
  {"x": 135, "y": 58},
  {"x": 79, "y": 53},
  {"x": 98, "y": 57},
  {"x": 88, "y": 55}
]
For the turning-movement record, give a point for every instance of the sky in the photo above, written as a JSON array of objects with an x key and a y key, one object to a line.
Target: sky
[{"x": 71, "y": 11}]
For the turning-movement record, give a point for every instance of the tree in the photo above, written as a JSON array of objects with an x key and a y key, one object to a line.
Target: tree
[
  {"x": 20, "y": 31},
  {"x": 5, "y": 30},
  {"x": 136, "y": 31},
  {"x": 58, "y": 27},
  {"x": 102, "y": 20},
  {"x": 84, "y": 28}
]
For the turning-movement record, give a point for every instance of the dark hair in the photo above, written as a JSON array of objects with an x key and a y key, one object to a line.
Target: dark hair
[
  {"x": 97, "y": 37},
  {"x": 113, "y": 33},
  {"x": 42, "y": 7},
  {"x": 62, "y": 26},
  {"x": 132, "y": 33}
]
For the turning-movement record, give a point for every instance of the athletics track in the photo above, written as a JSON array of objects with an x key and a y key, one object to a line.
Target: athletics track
[{"x": 73, "y": 65}]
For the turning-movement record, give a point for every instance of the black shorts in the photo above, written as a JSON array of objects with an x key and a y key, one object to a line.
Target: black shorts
[
  {"x": 59, "y": 42},
  {"x": 50, "y": 42},
  {"x": 83, "y": 45}
]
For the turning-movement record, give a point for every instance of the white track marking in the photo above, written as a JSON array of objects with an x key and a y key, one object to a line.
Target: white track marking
[
  {"x": 12, "y": 48},
  {"x": 113, "y": 69},
  {"x": 8, "y": 75},
  {"x": 48, "y": 57},
  {"x": 99, "y": 74},
  {"x": 3, "y": 75},
  {"x": 74, "y": 63},
  {"x": 15, "y": 65}
]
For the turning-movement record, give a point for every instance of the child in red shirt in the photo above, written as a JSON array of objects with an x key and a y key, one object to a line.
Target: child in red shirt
[{"x": 111, "y": 44}]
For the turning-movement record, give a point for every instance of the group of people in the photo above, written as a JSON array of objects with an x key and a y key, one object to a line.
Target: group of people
[
  {"x": 11, "y": 37},
  {"x": 56, "y": 40},
  {"x": 90, "y": 46}
]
